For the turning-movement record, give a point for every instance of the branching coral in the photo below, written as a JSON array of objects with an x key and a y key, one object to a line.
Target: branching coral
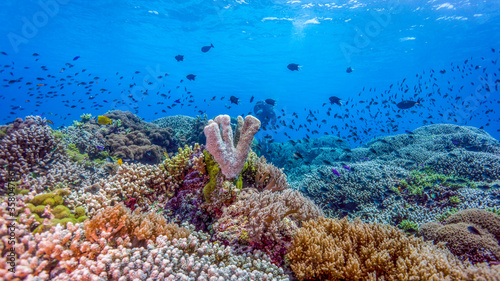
[
  {"x": 266, "y": 220},
  {"x": 332, "y": 249},
  {"x": 118, "y": 222},
  {"x": 29, "y": 146}
]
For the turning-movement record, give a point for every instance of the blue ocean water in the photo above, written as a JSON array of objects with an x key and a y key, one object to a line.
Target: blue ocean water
[{"x": 419, "y": 47}]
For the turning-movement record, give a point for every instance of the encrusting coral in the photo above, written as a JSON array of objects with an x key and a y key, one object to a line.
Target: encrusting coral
[
  {"x": 230, "y": 158},
  {"x": 332, "y": 249}
]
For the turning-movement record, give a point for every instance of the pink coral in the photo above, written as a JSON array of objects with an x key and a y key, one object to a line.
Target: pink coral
[{"x": 230, "y": 159}]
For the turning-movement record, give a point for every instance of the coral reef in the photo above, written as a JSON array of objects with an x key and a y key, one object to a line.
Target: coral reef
[
  {"x": 230, "y": 158},
  {"x": 29, "y": 146},
  {"x": 415, "y": 176},
  {"x": 187, "y": 130},
  {"x": 472, "y": 234},
  {"x": 121, "y": 201},
  {"x": 265, "y": 220},
  {"x": 332, "y": 249}
]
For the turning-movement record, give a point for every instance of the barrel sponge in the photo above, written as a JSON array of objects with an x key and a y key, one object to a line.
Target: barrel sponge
[{"x": 486, "y": 220}]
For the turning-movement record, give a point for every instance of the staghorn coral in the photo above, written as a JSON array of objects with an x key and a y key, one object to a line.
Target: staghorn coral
[
  {"x": 231, "y": 159},
  {"x": 472, "y": 234},
  {"x": 265, "y": 220},
  {"x": 332, "y": 249}
]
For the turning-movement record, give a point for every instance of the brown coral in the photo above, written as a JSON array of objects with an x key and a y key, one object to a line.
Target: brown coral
[
  {"x": 332, "y": 249},
  {"x": 471, "y": 234}
]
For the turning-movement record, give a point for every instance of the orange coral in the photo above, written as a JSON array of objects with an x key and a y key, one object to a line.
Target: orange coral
[{"x": 118, "y": 222}]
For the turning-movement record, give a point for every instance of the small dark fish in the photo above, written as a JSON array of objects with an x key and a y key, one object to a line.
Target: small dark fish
[
  {"x": 207, "y": 48},
  {"x": 3, "y": 53},
  {"x": 349, "y": 69},
  {"x": 234, "y": 99},
  {"x": 327, "y": 162},
  {"x": 298, "y": 155},
  {"x": 191, "y": 77},
  {"x": 179, "y": 58},
  {"x": 100, "y": 147},
  {"x": 271, "y": 102},
  {"x": 35, "y": 55},
  {"x": 335, "y": 100},
  {"x": 293, "y": 66},
  {"x": 77, "y": 57},
  {"x": 251, "y": 99},
  {"x": 335, "y": 172},
  {"x": 406, "y": 104},
  {"x": 473, "y": 230}
]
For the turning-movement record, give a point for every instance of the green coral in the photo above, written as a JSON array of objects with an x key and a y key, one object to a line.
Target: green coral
[
  {"x": 213, "y": 170},
  {"x": 118, "y": 123},
  {"x": 74, "y": 154},
  {"x": 419, "y": 180},
  {"x": 455, "y": 200},
  {"x": 77, "y": 123},
  {"x": 62, "y": 213},
  {"x": 494, "y": 209},
  {"x": 446, "y": 214},
  {"x": 58, "y": 134},
  {"x": 3, "y": 132},
  {"x": 85, "y": 117},
  {"x": 51, "y": 199},
  {"x": 407, "y": 225}
]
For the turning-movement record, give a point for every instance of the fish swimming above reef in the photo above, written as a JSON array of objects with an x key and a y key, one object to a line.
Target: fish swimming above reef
[
  {"x": 234, "y": 99},
  {"x": 407, "y": 104},
  {"x": 270, "y": 101},
  {"x": 336, "y": 100},
  {"x": 190, "y": 77},
  {"x": 293, "y": 66},
  {"x": 103, "y": 120},
  {"x": 179, "y": 58},
  {"x": 349, "y": 69},
  {"x": 207, "y": 48}
]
